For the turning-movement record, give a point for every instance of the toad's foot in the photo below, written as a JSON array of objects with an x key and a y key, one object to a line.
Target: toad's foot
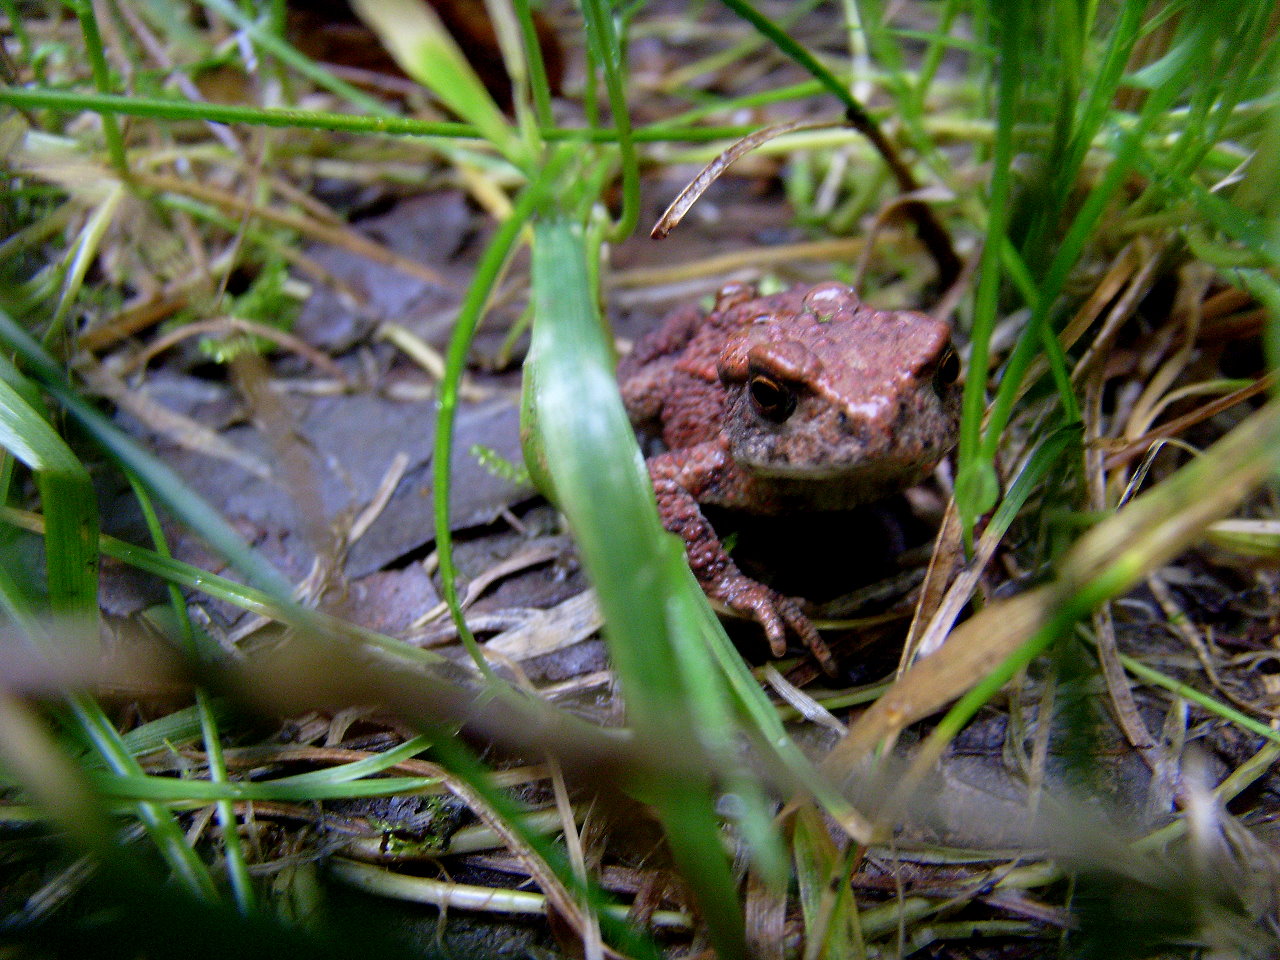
[
  {"x": 715, "y": 570},
  {"x": 774, "y": 612}
]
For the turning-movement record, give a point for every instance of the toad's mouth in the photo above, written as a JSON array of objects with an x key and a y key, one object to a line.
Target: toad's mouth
[
  {"x": 827, "y": 485},
  {"x": 816, "y": 472},
  {"x": 857, "y": 478}
]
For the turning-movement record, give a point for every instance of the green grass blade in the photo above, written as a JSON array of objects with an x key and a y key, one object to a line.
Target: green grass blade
[
  {"x": 26, "y": 434},
  {"x": 233, "y": 851},
  {"x": 153, "y": 792},
  {"x": 789, "y": 46},
  {"x": 539, "y": 86},
  {"x": 469, "y": 315},
  {"x": 101, "y": 79},
  {"x": 82, "y": 256},
  {"x": 413, "y": 34},
  {"x": 709, "y": 665},
  {"x": 346, "y": 772},
  {"x": 162, "y": 826},
  {"x": 71, "y": 512},
  {"x": 289, "y": 55},
  {"x": 601, "y": 484},
  {"x": 1078, "y": 235},
  {"x": 237, "y": 594},
  {"x": 173, "y": 729},
  {"x": 160, "y": 480},
  {"x": 976, "y": 484},
  {"x": 597, "y": 473},
  {"x": 71, "y": 549},
  {"x": 607, "y": 48},
  {"x": 36, "y": 98}
]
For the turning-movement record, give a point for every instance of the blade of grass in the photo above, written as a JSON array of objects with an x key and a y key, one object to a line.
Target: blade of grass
[
  {"x": 976, "y": 485},
  {"x": 173, "y": 729},
  {"x": 357, "y": 769},
  {"x": 413, "y": 34},
  {"x": 469, "y": 316},
  {"x": 158, "y": 478},
  {"x": 71, "y": 558},
  {"x": 184, "y": 793},
  {"x": 538, "y": 84},
  {"x": 247, "y": 598},
  {"x": 81, "y": 257},
  {"x": 931, "y": 232},
  {"x": 232, "y": 849},
  {"x": 102, "y": 80},
  {"x": 71, "y": 512},
  {"x": 161, "y": 824},
  {"x": 33, "y": 98},
  {"x": 607, "y": 50},
  {"x": 599, "y": 480},
  {"x": 1104, "y": 563},
  {"x": 1188, "y": 692},
  {"x": 716, "y": 713},
  {"x": 289, "y": 55},
  {"x": 1070, "y": 249}
]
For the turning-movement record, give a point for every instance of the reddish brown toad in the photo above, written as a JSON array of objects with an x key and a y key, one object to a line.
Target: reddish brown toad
[{"x": 803, "y": 400}]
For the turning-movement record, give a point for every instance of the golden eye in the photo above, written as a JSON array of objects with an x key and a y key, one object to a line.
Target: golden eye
[
  {"x": 947, "y": 370},
  {"x": 772, "y": 400}
]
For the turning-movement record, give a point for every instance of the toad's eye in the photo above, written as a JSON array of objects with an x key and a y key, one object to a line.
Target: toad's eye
[
  {"x": 772, "y": 400},
  {"x": 947, "y": 370}
]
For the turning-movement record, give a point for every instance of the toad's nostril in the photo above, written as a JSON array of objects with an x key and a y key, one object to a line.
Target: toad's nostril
[{"x": 856, "y": 428}]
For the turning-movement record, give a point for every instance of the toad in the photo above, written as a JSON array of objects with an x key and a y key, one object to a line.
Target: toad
[{"x": 797, "y": 401}]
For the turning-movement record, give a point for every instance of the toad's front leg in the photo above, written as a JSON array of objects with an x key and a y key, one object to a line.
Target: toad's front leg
[{"x": 679, "y": 479}]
